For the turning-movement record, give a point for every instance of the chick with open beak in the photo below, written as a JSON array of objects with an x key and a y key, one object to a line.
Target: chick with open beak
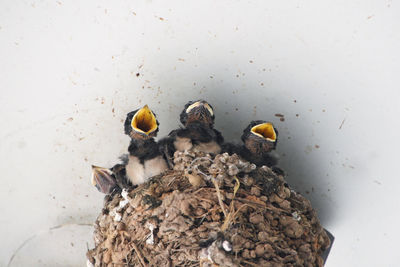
[
  {"x": 259, "y": 140},
  {"x": 141, "y": 124},
  {"x": 197, "y": 133},
  {"x": 145, "y": 159}
]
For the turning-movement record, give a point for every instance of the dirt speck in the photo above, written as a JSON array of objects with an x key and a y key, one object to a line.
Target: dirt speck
[
  {"x": 341, "y": 125},
  {"x": 137, "y": 74},
  {"x": 181, "y": 59},
  {"x": 316, "y": 146},
  {"x": 280, "y": 116},
  {"x": 70, "y": 119},
  {"x": 134, "y": 13},
  {"x": 297, "y": 115},
  {"x": 262, "y": 84},
  {"x": 251, "y": 61},
  {"x": 295, "y": 101},
  {"x": 370, "y": 17}
]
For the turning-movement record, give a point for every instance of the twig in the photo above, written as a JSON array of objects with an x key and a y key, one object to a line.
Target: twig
[
  {"x": 219, "y": 197},
  {"x": 197, "y": 159},
  {"x": 229, "y": 218},
  {"x": 249, "y": 263},
  {"x": 172, "y": 180},
  {"x": 139, "y": 254}
]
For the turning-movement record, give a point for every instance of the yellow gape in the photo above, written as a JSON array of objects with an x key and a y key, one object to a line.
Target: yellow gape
[
  {"x": 144, "y": 121},
  {"x": 265, "y": 130}
]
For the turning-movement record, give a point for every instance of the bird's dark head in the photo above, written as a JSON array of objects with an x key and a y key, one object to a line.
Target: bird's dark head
[
  {"x": 198, "y": 112},
  {"x": 260, "y": 137},
  {"x": 141, "y": 124}
]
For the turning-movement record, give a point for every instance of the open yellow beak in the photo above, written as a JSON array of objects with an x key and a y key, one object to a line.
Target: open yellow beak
[
  {"x": 144, "y": 121},
  {"x": 265, "y": 130}
]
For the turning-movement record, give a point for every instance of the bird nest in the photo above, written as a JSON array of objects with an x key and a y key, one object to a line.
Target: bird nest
[{"x": 209, "y": 211}]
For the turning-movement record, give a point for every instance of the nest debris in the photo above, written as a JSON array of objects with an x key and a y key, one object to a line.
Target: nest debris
[{"x": 209, "y": 211}]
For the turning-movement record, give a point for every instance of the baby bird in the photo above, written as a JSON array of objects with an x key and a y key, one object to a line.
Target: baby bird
[
  {"x": 259, "y": 139},
  {"x": 145, "y": 159},
  {"x": 198, "y": 131},
  {"x": 111, "y": 180},
  {"x": 103, "y": 179}
]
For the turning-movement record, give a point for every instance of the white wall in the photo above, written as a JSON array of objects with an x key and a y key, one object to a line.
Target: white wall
[{"x": 68, "y": 78}]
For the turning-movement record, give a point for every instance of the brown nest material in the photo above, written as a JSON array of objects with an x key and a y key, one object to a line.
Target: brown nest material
[{"x": 208, "y": 211}]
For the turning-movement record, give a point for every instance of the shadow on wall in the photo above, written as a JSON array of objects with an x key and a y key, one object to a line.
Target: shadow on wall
[{"x": 303, "y": 172}]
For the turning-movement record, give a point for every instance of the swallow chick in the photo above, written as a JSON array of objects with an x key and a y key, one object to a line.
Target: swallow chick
[
  {"x": 259, "y": 140},
  {"x": 145, "y": 159},
  {"x": 103, "y": 179},
  {"x": 110, "y": 180},
  {"x": 198, "y": 131}
]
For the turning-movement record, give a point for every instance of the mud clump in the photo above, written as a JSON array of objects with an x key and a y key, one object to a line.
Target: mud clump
[{"x": 209, "y": 211}]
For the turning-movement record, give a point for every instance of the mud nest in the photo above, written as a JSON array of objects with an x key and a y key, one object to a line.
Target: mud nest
[{"x": 209, "y": 211}]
